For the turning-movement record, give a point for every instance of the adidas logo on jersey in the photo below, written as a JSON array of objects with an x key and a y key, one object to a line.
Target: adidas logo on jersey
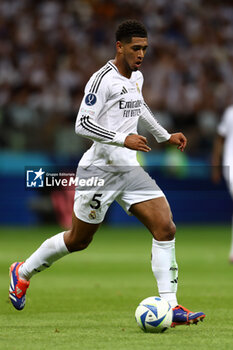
[{"x": 123, "y": 91}]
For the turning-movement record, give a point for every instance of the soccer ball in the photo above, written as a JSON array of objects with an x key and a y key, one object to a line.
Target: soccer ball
[{"x": 154, "y": 315}]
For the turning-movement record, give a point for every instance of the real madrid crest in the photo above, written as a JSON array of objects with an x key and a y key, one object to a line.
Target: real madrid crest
[{"x": 92, "y": 215}]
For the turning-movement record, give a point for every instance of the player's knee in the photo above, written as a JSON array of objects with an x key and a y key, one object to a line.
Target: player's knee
[
  {"x": 166, "y": 231},
  {"x": 171, "y": 231},
  {"x": 83, "y": 244},
  {"x": 76, "y": 243},
  {"x": 80, "y": 244}
]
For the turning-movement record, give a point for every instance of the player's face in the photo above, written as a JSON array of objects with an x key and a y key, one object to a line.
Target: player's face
[{"x": 134, "y": 52}]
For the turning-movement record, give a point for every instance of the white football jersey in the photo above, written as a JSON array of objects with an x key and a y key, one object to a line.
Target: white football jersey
[{"x": 109, "y": 112}]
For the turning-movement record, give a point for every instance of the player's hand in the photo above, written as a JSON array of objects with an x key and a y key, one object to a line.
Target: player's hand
[
  {"x": 178, "y": 139},
  {"x": 137, "y": 143}
]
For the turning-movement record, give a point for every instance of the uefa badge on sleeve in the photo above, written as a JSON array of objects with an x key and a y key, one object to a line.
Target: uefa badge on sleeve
[
  {"x": 90, "y": 99},
  {"x": 35, "y": 179}
]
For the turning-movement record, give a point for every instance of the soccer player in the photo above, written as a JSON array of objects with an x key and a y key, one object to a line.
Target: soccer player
[
  {"x": 223, "y": 155},
  {"x": 109, "y": 113}
]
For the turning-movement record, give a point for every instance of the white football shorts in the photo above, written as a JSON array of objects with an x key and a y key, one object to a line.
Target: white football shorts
[{"x": 97, "y": 189}]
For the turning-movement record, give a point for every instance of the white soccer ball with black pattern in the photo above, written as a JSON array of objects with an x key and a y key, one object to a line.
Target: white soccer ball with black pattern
[{"x": 154, "y": 315}]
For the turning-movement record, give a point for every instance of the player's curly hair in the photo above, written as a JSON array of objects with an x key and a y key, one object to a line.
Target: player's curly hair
[{"x": 129, "y": 29}]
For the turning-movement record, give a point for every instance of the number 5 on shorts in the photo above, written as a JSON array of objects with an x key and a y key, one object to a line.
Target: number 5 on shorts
[{"x": 98, "y": 203}]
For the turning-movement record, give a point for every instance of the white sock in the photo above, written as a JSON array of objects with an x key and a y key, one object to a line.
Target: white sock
[
  {"x": 51, "y": 250},
  {"x": 165, "y": 269}
]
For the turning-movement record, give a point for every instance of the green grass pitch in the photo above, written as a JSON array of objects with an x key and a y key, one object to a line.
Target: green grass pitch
[{"x": 87, "y": 300}]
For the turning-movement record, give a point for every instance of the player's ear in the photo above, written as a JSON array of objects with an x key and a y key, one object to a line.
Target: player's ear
[{"x": 119, "y": 47}]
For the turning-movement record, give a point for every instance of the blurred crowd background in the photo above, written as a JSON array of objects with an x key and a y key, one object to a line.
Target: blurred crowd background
[{"x": 49, "y": 49}]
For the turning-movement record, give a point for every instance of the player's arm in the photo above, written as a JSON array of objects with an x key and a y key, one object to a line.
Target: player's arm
[
  {"x": 216, "y": 171},
  {"x": 161, "y": 135},
  {"x": 87, "y": 126}
]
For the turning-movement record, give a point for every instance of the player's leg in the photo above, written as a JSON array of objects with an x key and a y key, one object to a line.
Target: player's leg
[
  {"x": 156, "y": 215},
  {"x": 90, "y": 207},
  {"x": 54, "y": 248},
  {"x": 144, "y": 199},
  {"x": 78, "y": 238}
]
